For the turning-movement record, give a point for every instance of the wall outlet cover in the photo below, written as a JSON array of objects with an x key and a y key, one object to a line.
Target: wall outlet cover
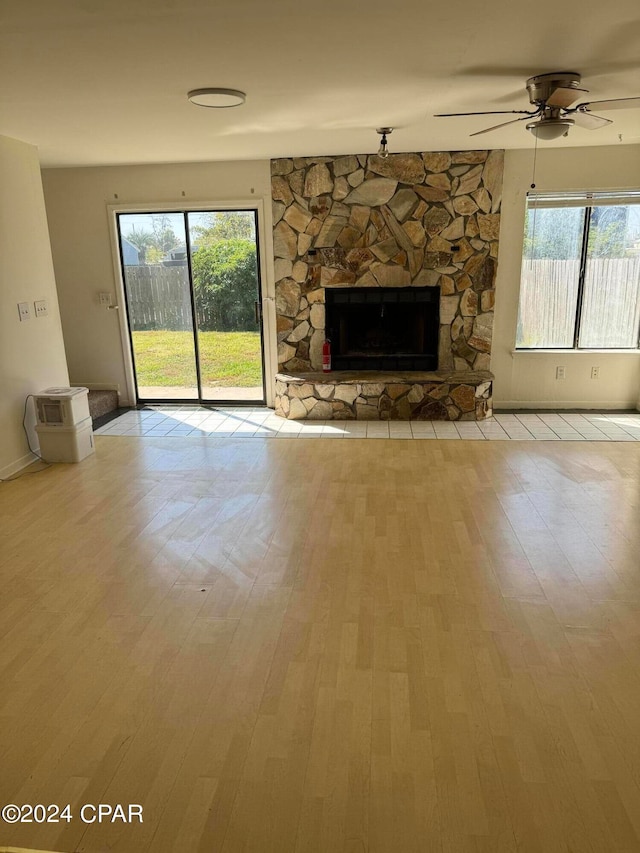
[{"x": 24, "y": 311}]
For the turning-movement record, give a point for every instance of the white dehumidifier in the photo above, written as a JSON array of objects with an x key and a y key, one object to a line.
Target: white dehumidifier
[{"x": 64, "y": 424}]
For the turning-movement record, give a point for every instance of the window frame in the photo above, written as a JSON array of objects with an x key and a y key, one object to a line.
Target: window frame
[{"x": 586, "y": 200}]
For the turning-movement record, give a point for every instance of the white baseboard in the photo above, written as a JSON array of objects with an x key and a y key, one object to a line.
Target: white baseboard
[
  {"x": 563, "y": 404},
  {"x": 9, "y": 470}
]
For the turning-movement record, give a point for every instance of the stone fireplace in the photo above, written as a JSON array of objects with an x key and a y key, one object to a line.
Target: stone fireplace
[{"x": 420, "y": 227}]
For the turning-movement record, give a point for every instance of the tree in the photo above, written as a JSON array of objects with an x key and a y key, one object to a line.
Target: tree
[
  {"x": 224, "y": 225},
  {"x": 608, "y": 232},
  {"x": 154, "y": 245},
  {"x": 553, "y": 233},
  {"x": 556, "y": 233},
  {"x": 142, "y": 240},
  {"x": 225, "y": 275},
  {"x": 165, "y": 238}
]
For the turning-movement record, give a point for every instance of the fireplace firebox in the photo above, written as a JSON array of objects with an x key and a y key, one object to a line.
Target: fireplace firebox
[{"x": 383, "y": 328}]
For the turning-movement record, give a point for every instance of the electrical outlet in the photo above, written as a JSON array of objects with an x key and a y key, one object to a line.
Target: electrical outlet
[
  {"x": 42, "y": 308},
  {"x": 595, "y": 373},
  {"x": 24, "y": 311},
  {"x": 561, "y": 373},
  {"x": 105, "y": 299}
]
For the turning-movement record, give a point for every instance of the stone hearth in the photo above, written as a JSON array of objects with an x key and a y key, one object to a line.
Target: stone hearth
[{"x": 372, "y": 395}]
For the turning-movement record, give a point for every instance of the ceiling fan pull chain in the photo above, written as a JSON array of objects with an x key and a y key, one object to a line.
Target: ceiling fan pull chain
[{"x": 535, "y": 158}]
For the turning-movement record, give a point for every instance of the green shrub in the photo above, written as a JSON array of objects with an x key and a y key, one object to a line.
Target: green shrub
[{"x": 225, "y": 284}]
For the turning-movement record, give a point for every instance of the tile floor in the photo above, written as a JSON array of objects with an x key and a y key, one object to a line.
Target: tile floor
[{"x": 243, "y": 422}]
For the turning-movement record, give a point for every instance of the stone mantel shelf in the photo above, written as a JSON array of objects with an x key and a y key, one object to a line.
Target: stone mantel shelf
[
  {"x": 378, "y": 395},
  {"x": 411, "y": 377}
]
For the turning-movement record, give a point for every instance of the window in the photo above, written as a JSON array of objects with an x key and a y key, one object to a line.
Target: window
[{"x": 580, "y": 285}]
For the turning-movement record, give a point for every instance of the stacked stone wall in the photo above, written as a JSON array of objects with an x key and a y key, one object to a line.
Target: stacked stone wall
[{"x": 408, "y": 220}]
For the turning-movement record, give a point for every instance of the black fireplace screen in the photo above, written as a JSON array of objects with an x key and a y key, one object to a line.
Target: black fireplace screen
[{"x": 383, "y": 328}]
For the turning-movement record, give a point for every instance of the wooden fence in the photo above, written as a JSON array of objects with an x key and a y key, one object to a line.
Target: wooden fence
[
  {"x": 158, "y": 297},
  {"x": 610, "y": 309}
]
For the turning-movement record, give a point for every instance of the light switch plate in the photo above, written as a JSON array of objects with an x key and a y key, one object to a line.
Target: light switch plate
[
  {"x": 42, "y": 308},
  {"x": 24, "y": 311}
]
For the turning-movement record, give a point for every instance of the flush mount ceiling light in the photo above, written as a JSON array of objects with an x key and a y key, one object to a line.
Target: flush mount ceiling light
[
  {"x": 383, "y": 151},
  {"x": 217, "y": 98}
]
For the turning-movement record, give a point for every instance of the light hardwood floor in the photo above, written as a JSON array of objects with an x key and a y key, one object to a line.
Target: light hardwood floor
[{"x": 325, "y": 646}]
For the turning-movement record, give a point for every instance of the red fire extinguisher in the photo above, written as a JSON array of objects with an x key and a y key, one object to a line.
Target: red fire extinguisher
[{"x": 326, "y": 356}]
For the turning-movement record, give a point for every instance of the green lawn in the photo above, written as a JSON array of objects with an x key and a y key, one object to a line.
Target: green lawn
[{"x": 226, "y": 359}]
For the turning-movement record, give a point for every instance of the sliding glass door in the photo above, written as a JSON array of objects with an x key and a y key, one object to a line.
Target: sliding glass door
[{"x": 192, "y": 289}]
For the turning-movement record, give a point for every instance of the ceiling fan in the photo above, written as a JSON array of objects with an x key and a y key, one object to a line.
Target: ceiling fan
[{"x": 553, "y": 116}]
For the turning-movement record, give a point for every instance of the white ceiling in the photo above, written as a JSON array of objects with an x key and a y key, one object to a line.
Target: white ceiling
[{"x": 105, "y": 81}]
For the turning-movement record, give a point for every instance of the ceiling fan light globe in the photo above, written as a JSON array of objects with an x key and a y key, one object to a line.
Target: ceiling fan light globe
[{"x": 551, "y": 128}]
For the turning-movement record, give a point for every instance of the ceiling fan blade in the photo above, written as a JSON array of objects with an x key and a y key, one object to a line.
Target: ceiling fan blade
[
  {"x": 496, "y": 126},
  {"x": 613, "y": 104},
  {"x": 489, "y": 113},
  {"x": 564, "y": 96},
  {"x": 590, "y": 121}
]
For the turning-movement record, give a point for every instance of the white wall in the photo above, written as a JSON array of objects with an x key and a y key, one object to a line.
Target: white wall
[
  {"x": 79, "y": 222},
  {"x": 527, "y": 380},
  {"x": 32, "y": 355}
]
